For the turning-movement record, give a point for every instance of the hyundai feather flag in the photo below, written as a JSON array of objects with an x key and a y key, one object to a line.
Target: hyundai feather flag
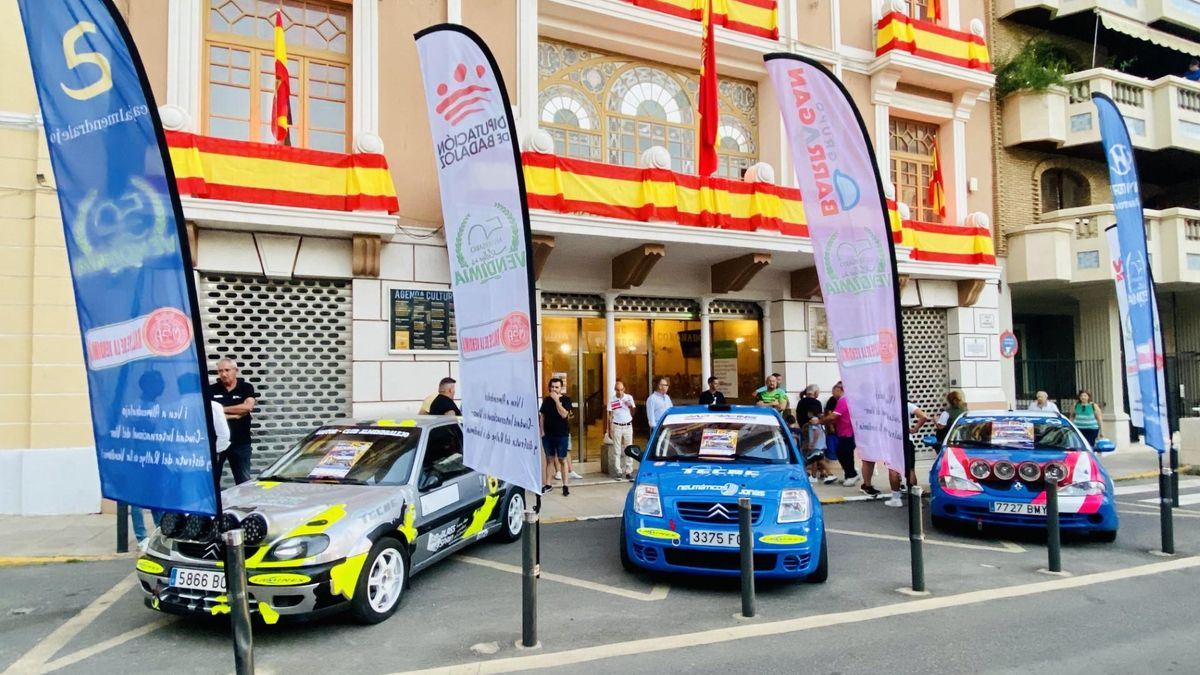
[
  {"x": 1133, "y": 263},
  {"x": 126, "y": 248},
  {"x": 852, "y": 243},
  {"x": 487, "y": 236}
]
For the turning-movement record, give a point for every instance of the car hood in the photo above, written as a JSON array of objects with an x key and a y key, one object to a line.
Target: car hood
[
  {"x": 1081, "y": 465},
  {"x": 288, "y": 506},
  {"x": 680, "y": 479}
]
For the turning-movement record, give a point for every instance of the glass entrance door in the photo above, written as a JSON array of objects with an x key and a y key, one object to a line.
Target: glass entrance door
[{"x": 573, "y": 350}]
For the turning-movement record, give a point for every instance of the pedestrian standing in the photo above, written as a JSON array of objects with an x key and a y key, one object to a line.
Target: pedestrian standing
[
  {"x": 772, "y": 396},
  {"x": 237, "y": 398},
  {"x": 808, "y": 413},
  {"x": 620, "y": 429},
  {"x": 843, "y": 426},
  {"x": 552, "y": 423},
  {"x": 831, "y": 438},
  {"x": 956, "y": 405},
  {"x": 1042, "y": 403},
  {"x": 712, "y": 394},
  {"x": 443, "y": 403},
  {"x": 658, "y": 403},
  {"x": 917, "y": 418},
  {"x": 1087, "y": 416}
]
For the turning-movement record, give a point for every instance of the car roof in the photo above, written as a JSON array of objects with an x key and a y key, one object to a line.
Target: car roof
[
  {"x": 410, "y": 421},
  {"x": 734, "y": 409},
  {"x": 1048, "y": 414}
]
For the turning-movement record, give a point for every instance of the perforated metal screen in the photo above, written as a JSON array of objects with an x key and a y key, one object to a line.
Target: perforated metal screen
[
  {"x": 926, "y": 363},
  {"x": 292, "y": 340}
]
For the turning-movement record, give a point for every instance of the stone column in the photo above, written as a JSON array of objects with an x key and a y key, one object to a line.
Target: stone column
[{"x": 705, "y": 342}]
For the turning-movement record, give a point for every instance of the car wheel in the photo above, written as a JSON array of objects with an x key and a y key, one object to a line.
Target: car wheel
[
  {"x": 382, "y": 582},
  {"x": 821, "y": 574},
  {"x": 626, "y": 561},
  {"x": 512, "y": 516},
  {"x": 1104, "y": 536}
]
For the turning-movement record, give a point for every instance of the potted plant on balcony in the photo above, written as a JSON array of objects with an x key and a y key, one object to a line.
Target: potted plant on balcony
[{"x": 1029, "y": 84}]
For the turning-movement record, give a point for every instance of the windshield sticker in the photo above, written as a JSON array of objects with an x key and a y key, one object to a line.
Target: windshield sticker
[
  {"x": 338, "y": 461},
  {"x": 720, "y": 418},
  {"x": 718, "y": 471},
  {"x": 362, "y": 431},
  {"x": 719, "y": 442},
  {"x": 1012, "y": 430}
]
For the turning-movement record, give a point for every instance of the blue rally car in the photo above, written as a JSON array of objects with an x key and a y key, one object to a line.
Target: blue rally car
[
  {"x": 682, "y": 513},
  {"x": 993, "y": 469}
]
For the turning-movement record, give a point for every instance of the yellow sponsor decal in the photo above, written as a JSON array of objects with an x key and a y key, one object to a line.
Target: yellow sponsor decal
[
  {"x": 279, "y": 579},
  {"x": 219, "y": 609},
  {"x": 268, "y": 613},
  {"x": 266, "y": 484},
  {"x": 783, "y": 539},
  {"x": 344, "y": 577},
  {"x": 320, "y": 522},
  {"x": 481, "y": 516},
  {"x": 149, "y": 566},
  {"x": 656, "y": 533},
  {"x": 408, "y": 529}
]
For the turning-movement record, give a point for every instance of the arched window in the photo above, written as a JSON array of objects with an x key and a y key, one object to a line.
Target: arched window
[
  {"x": 608, "y": 108},
  {"x": 1064, "y": 189}
]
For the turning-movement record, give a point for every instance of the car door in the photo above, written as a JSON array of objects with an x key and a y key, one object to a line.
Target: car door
[{"x": 448, "y": 493}]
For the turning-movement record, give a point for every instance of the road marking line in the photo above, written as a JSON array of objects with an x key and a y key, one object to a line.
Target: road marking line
[
  {"x": 1154, "y": 511},
  {"x": 38, "y": 659},
  {"x": 1184, "y": 500},
  {"x": 1139, "y": 489},
  {"x": 76, "y": 657},
  {"x": 1004, "y": 547},
  {"x": 744, "y": 631},
  {"x": 21, "y": 560},
  {"x": 659, "y": 592}
]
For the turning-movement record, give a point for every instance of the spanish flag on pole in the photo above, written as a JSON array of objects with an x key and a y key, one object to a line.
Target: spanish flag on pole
[
  {"x": 934, "y": 10},
  {"x": 281, "y": 108},
  {"x": 708, "y": 96},
  {"x": 937, "y": 188}
]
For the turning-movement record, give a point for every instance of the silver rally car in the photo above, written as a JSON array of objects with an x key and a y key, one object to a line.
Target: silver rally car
[{"x": 338, "y": 522}]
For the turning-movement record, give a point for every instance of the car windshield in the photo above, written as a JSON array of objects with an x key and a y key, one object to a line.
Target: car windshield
[
  {"x": 354, "y": 455},
  {"x": 707, "y": 437},
  {"x": 1023, "y": 433}
]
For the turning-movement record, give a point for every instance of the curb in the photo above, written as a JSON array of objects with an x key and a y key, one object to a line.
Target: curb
[
  {"x": 1184, "y": 469},
  {"x": 20, "y": 561}
]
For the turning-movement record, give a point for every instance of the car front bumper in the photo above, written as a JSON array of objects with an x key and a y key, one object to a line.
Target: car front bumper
[
  {"x": 273, "y": 593},
  {"x": 789, "y": 551},
  {"x": 978, "y": 509}
]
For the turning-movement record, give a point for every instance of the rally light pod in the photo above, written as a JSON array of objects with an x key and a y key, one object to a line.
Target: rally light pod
[
  {"x": 226, "y": 522},
  {"x": 1056, "y": 471},
  {"x": 1030, "y": 472},
  {"x": 979, "y": 469},
  {"x": 1004, "y": 470},
  {"x": 171, "y": 524},
  {"x": 254, "y": 527},
  {"x": 198, "y": 528}
]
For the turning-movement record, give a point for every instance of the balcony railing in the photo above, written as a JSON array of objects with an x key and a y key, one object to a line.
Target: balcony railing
[
  {"x": 1162, "y": 113},
  {"x": 1070, "y": 245}
]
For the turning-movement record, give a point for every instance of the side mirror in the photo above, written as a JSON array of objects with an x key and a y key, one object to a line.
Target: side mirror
[
  {"x": 1104, "y": 445},
  {"x": 633, "y": 452},
  {"x": 428, "y": 481}
]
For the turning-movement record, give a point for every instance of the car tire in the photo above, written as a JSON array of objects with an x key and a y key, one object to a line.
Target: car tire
[
  {"x": 381, "y": 583},
  {"x": 626, "y": 562},
  {"x": 821, "y": 574},
  {"x": 1104, "y": 536},
  {"x": 512, "y": 507}
]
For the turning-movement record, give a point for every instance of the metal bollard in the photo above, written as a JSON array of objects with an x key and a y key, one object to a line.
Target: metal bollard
[
  {"x": 746, "y": 547},
  {"x": 916, "y": 537},
  {"x": 239, "y": 603},
  {"x": 1174, "y": 454},
  {"x": 529, "y": 544},
  {"x": 1166, "y": 524},
  {"x": 122, "y": 527},
  {"x": 1053, "y": 541}
]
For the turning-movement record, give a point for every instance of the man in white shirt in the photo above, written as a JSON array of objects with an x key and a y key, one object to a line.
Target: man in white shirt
[
  {"x": 620, "y": 430},
  {"x": 1043, "y": 403},
  {"x": 658, "y": 402}
]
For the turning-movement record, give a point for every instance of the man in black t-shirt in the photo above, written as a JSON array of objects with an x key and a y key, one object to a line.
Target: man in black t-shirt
[
  {"x": 443, "y": 403},
  {"x": 556, "y": 431},
  {"x": 238, "y": 397},
  {"x": 712, "y": 395}
]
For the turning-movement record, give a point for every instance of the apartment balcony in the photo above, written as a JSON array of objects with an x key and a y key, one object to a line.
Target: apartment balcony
[
  {"x": 1069, "y": 246},
  {"x": 1184, "y": 13},
  {"x": 925, "y": 54},
  {"x": 1161, "y": 114}
]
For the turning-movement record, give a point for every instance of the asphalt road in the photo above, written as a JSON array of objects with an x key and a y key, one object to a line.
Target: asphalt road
[{"x": 991, "y": 610}]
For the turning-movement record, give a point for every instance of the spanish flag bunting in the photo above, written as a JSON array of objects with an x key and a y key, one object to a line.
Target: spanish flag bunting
[
  {"x": 937, "y": 188},
  {"x": 708, "y": 96},
  {"x": 934, "y": 10},
  {"x": 281, "y": 108}
]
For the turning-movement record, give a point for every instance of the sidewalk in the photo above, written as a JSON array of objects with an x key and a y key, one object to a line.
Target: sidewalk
[{"x": 36, "y": 539}]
